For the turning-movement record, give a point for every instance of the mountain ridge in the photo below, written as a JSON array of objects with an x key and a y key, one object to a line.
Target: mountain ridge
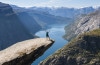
[
  {"x": 65, "y": 12},
  {"x": 42, "y": 18},
  {"x": 83, "y": 24}
]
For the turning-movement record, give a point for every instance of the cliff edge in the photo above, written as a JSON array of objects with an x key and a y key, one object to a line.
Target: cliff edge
[{"x": 25, "y": 52}]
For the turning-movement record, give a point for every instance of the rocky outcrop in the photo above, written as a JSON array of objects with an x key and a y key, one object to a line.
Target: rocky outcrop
[
  {"x": 83, "y": 50},
  {"x": 24, "y": 53},
  {"x": 83, "y": 24}
]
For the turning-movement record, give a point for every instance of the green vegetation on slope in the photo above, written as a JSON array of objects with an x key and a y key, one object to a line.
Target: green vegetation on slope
[
  {"x": 82, "y": 50},
  {"x": 95, "y": 32}
]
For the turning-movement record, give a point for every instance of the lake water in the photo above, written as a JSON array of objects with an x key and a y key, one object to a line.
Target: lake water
[{"x": 56, "y": 33}]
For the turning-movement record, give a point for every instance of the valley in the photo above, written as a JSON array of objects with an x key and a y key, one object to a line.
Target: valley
[{"x": 74, "y": 32}]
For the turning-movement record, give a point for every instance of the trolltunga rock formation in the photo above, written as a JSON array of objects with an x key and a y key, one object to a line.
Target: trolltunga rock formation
[{"x": 25, "y": 52}]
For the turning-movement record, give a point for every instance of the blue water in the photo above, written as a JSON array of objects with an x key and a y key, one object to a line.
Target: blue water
[{"x": 56, "y": 33}]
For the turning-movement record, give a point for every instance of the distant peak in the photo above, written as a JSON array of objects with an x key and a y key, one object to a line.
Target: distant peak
[{"x": 3, "y": 4}]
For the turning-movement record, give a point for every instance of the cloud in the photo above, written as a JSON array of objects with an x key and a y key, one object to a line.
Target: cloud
[{"x": 51, "y": 3}]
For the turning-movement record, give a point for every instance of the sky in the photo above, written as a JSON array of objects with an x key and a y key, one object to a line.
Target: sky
[{"x": 54, "y": 3}]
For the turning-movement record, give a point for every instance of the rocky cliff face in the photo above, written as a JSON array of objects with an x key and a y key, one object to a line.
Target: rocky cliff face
[
  {"x": 83, "y": 50},
  {"x": 83, "y": 24},
  {"x": 12, "y": 29},
  {"x": 24, "y": 53}
]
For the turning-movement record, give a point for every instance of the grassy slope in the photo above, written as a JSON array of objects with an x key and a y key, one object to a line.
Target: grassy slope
[{"x": 76, "y": 48}]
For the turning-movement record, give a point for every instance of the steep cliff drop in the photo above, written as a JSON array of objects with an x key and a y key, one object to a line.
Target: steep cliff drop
[{"x": 24, "y": 53}]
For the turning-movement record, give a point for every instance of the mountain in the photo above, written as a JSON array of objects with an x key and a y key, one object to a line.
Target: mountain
[
  {"x": 43, "y": 18},
  {"x": 12, "y": 29},
  {"x": 29, "y": 22},
  {"x": 83, "y": 24},
  {"x": 48, "y": 19},
  {"x": 64, "y": 11},
  {"x": 82, "y": 50},
  {"x": 25, "y": 52}
]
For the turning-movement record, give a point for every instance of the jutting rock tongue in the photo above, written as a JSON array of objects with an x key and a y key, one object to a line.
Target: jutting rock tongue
[{"x": 24, "y": 53}]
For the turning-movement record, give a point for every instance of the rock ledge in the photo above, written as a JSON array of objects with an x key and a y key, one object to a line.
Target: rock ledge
[{"x": 24, "y": 53}]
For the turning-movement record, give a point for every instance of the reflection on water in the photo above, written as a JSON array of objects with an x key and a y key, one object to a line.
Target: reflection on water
[{"x": 56, "y": 33}]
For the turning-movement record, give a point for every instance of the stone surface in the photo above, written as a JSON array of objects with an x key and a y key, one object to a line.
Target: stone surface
[
  {"x": 24, "y": 53},
  {"x": 83, "y": 24}
]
